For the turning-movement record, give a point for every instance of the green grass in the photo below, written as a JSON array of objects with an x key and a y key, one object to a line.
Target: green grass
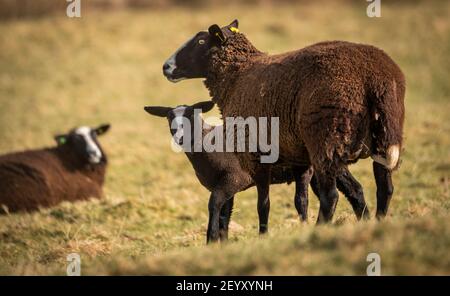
[{"x": 56, "y": 73}]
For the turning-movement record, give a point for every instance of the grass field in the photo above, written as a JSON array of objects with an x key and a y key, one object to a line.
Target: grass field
[{"x": 57, "y": 73}]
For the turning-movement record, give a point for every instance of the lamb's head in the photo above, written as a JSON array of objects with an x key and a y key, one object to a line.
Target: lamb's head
[
  {"x": 191, "y": 60},
  {"x": 179, "y": 116},
  {"x": 83, "y": 142}
]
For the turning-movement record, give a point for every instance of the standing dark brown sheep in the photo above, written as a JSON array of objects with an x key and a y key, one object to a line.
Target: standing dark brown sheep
[
  {"x": 341, "y": 101},
  {"x": 73, "y": 170}
]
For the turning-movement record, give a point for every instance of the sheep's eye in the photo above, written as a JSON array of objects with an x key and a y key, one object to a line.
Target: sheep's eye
[{"x": 201, "y": 41}]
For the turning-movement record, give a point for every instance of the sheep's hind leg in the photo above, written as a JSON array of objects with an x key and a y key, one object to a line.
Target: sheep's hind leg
[
  {"x": 328, "y": 197},
  {"x": 216, "y": 202},
  {"x": 315, "y": 185},
  {"x": 353, "y": 191},
  {"x": 262, "y": 180},
  {"x": 385, "y": 188},
  {"x": 224, "y": 219},
  {"x": 302, "y": 177}
]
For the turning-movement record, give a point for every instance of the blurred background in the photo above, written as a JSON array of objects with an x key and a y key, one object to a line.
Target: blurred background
[
  {"x": 58, "y": 72},
  {"x": 30, "y": 8}
]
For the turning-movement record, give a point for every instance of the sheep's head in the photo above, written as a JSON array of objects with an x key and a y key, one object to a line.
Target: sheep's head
[
  {"x": 179, "y": 116},
  {"x": 192, "y": 58},
  {"x": 83, "y": 142}
]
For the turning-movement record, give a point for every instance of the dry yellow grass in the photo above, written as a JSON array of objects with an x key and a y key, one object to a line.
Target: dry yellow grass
[{"x": 56, "y": 73}]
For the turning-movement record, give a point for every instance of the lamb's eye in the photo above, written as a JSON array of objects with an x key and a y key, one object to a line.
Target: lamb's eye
[{"x": 201, "y": 41}]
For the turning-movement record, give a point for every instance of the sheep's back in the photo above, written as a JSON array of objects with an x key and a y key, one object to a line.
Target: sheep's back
[
  {"x": 321, "y": 90},
  {"x": 24, "y": 186},
  {"x": 39, "y": 178},
  {"x": 336, "y": 102}
]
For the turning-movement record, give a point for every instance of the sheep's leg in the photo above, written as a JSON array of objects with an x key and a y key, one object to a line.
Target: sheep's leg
[
  {"x": 262, "y": 180},
  {"x": 302, "y": 177},
  {"x": 315, "y": 185},
  {"x": 216, "y": 202},
  {"x": 353, "y": 191},
  {"x": 224, "y": 219},
  {"x": 328, "y": 197},
  {"x": 385, "y": 188}
]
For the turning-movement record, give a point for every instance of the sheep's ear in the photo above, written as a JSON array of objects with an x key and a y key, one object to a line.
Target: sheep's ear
[
  {"x": 205, "y": 106},
  {"x": 158, "y": 111},
  {"x": 102, "y": 129},
  {"x": 216, "y": 34},
  {"x": 60, "y": 139},
  {"x": 234, "y": 24}
]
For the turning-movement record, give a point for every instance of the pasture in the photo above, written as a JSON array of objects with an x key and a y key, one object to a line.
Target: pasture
[{"x": 57, "y": 73}]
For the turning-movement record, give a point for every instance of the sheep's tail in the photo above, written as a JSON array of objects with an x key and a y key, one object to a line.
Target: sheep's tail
[{"x": 387, "y": 116}]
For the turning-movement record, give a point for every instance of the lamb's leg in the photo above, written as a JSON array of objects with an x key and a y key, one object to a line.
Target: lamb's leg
[
  {"x": 385, "y": 188},
  {"x": 216, "y": 202},
  {"x": 262, "y": 180},
  {"x": 353, "y": 191},
  {"x": 328, "y": 197},
  {"x": 302, "y": 177},
  {"x": 224, "y": 219}
]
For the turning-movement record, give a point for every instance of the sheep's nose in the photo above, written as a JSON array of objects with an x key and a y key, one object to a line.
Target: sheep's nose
[
  {"x": 92, "y": 152},
  {"x": 166, "y": 66}
]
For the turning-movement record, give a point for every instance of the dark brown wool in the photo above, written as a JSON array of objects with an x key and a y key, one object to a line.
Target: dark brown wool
[
  {"x": 223, "y": 169},
  {"x": 46, "y": 177},
  {"x": 330, "y": 97}
]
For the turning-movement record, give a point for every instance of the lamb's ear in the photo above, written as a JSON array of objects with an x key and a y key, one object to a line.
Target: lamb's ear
[
  {"x": 204, "y": 106},
  {"x": 158, "y": 111},
  {"x": 216, "y": 34},
  {"x": 102, "y": 129},
  {"x": 60, "y": 139}
]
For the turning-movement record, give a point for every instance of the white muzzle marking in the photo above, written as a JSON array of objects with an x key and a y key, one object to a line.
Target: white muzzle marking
[
  {"x": 172, "y": 65},
  {"x": 95, "y": 154}
]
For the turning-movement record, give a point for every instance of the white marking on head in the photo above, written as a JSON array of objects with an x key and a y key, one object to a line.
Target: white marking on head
[
  {"x": 95, "y": 154},
  {"x": 392, "y": 157},
  {"x": 171, "y": 62},
  {"x": 178, "y": 122}
]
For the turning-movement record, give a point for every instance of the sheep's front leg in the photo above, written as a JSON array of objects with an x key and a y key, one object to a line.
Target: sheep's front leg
[
  {"x": 328, "y": 197},
  {"x": 216, "y": 202},
  {"x": 353, "y": 191},
  {"x": 302, "y": 176},
  {"x": 224, "y": 219},
  {"x": 385, "y": 188},
  {"x": 262, "y": 180}
]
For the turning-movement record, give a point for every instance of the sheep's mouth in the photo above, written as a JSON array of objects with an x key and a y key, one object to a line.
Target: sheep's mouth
[
  {"x": 175, "y": 76},
  {"x": 175, "y": 79}
]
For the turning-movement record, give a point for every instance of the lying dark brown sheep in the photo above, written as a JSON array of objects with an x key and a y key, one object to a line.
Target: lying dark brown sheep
[
  {"x": 73, "y": 170},
  {"x": 221, "y": 173},
  {"x": 341, "y": 101}
]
